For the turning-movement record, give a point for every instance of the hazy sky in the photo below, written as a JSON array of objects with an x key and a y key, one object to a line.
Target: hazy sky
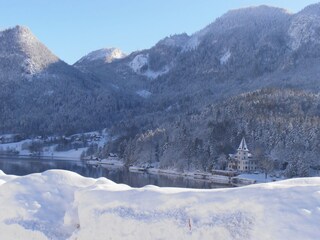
[{"x": 72, "y": 28}]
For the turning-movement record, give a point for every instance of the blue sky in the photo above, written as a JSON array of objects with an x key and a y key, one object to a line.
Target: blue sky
[{"x": 72, "y": 28}]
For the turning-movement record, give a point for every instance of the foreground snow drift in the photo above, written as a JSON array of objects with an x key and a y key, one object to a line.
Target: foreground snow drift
[{"x": 59, "y": 204}]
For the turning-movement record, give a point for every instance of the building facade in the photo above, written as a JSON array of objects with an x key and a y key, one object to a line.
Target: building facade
[{"x": 242, "y": 160}]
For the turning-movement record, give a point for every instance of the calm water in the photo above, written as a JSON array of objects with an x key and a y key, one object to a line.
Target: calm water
[{"x": 23, "y": 166}]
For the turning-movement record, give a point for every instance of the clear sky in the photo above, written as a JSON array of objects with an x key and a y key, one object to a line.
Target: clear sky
[{"x": 73, "y": 28}]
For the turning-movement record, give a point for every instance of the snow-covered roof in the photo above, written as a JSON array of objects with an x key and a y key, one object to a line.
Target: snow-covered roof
[{"x": 243, "y": 145}]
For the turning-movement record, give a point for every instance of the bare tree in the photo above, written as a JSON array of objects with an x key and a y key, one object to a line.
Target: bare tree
[{"x": 264, "y": 161}]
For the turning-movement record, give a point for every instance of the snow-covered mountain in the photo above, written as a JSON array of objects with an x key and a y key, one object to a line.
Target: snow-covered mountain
[
  {"x": 245, "y": 49},
  {"x": 106, "y": 55},
  {"x": 22, "y": 55},
  {"x": 304, "y": 30},
  {"x": 242, "y": 52},
  {"x": 39, "y": 91},
  {"x": 137, "y": 70},
  {"x": 244, "y": 46}
]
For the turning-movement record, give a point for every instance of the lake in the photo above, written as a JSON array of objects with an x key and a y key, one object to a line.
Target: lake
[{"x": 23, "y": 166}]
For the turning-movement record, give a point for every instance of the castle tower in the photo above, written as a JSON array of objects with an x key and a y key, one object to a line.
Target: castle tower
[
  {"x": 242, "y": 160},
  {"x": 243, "y": 146}
]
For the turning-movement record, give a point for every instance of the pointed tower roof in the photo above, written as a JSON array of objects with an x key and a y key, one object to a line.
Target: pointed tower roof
[{"x": 243, "y": 145}]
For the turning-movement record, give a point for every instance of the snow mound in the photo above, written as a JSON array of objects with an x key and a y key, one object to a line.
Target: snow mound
[{"x": 59, "y": 204}]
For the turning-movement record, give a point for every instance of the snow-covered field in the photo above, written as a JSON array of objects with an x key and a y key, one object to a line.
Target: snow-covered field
[
  {"x": 21, "y": 147},
  {"x": 260, "y": 177},
  {"x": 59, "y": 204},
  {"x": 72, "y": 154}
]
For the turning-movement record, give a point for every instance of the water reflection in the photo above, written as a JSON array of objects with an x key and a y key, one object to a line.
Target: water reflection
[{"x": 23, "y": 166}]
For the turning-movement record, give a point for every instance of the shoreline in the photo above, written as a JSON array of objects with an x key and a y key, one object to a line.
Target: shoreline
[
  {"x": 197, "y": 176},
  {"x": 46, "y": 158},
  {"x": 235, "y": 181}
]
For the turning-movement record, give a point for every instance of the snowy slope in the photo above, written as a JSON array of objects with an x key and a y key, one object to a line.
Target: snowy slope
[
  {"x": 106, "y": 55},
  {"x": 59, "y": 204},
  {"x": 144, "y": 93},
  {"x": 22, "y": 55},
  {"x": 304, "y": 27},
  {"x": 50, "y": 151},
  {"x": 140, "y": 65}
]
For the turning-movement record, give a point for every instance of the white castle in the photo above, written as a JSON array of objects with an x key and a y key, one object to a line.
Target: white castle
[{"x": 242, "y": 160}]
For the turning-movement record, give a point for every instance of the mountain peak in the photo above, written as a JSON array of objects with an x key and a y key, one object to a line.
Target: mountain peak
[
  {"x": 313, "y": 9},
  {"x": 107, "y": 55},
  {"x": 21, "y": 28},
  {"x": 18, "y": 45},
  {"x": 262, "y": 12},
  {"x": 177, "y": 40},
  {"x": 18, "y": 31},
  {"x": 304, "y": 28}
]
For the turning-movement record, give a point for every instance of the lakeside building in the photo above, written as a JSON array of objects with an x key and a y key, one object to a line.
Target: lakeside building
[{"x": 242, "y": 160}]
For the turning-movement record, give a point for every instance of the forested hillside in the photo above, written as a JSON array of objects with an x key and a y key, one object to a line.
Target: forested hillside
[
  {"x": 40, "y": 94},
  {"x": 284, "y": 123}
]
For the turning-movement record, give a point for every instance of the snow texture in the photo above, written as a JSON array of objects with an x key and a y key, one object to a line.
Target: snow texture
[
  {"x": 144, "y": 93},
  {"x": 59, "y": 204},
  {"x": 304, "y": 29},
  {"x": 154, "y": 74},
  {"x": 225, "y": 57},
  {"x": 195, "y": 40},
  {"x": 139, "y": 62},
  {"x": 140, "y": 65}
]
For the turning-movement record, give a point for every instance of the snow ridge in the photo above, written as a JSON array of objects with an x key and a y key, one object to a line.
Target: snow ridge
[{"x": 60, "y": 204}]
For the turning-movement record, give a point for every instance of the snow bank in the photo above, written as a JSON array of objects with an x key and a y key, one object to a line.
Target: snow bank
[{"x": 59, "y": 204}]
